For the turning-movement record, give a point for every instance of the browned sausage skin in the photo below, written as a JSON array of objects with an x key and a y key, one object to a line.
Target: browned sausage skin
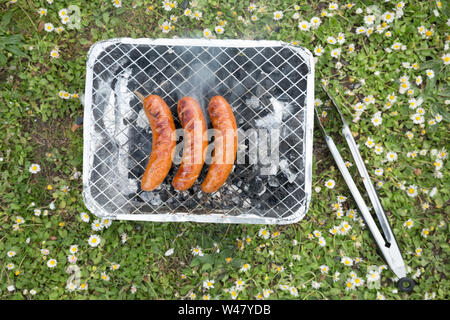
[
  {"x": 195, "y": 143},
  {"x": 225, "y": 144},
  {"x": 164, "y": 142}
]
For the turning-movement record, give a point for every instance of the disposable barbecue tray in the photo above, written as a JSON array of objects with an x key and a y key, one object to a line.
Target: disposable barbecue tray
[{"x": 269, "y": 85}]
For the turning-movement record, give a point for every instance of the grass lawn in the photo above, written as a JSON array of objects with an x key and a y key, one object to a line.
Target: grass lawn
[{"x": 386, "y": 64}]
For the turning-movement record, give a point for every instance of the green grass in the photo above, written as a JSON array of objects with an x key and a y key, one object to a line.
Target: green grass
[{"x": 35, "y": 129}]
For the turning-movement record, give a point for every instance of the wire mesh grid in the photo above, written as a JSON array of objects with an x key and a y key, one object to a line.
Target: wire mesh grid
[{"x": 251, "y": 75}]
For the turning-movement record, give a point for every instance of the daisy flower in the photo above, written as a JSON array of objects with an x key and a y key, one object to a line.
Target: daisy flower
[
  {"x": 334, "y": 230},
  {"x": 318, "y": 50},
  {"x": 264, "y": 233},
  {"x": 331, "y": 40},
  {"x": 208, "y": 284},
  {"x": 347, "y": 261},
  {"x": 106, "y": 223},
  {"x": 71, "y": 258},
  {"x": 219, "y": 29},
  {"x": 417, "y": 118},
  {"x": 360, "y": 30},
  {"x": 234, "y": 293},
  {"x": 412, "y": 191},
  {"x": 96, "y": 225},
  {"x": 322, "y": 241},
  {"x": 20, "y": 220},
  {"x": 373, "y": 276},
  {"x": 197, "y": 251},
  {"x": 277, "y": 15},
  {"x": 10, "y": 266},
  {"x": 42, "y": 12},
  {"x": 442, "y": 154},
  {"x": 251, "y": 7},
  {"x": 62, "y": 13},
  {"x": 358, "y": 281},
  {"x": 379, "y": 171},
  {"x": 370, "y": 143},
  {"x": 349, "y": 284},
  {"x": 369, "y": 20},
  {"x": 377, "y": 119},
  {"x": 341, "y": 38},
  {"x": 380, "y": 296},
  {"x": 391, "y": 156},
  {"x": 330, "y": 184},
  {"x": 425, "y": 232},
  {"x": 418, "y": 80},
  {"x": 396, "y": 46},
  {"x": 94, "y": 240},
  {"x": 11, "y": 253},
  {"x": 333, "y": 6},
  {"x": 73, "y": 248},
  {"x": 351, "y": 47},
  {"x": 317, "y": 233},
  {"x": 266, "y": 293},
  {"x": 104, "y": 276},
  {"x": 51, "y": 263},
  {"x": 239, "y": 284},
  {"x": 34, "y": 168},
  {"x": 429, "y": 73},
  {"x": 166, "y": 26},
  {"x": 408, "y": 223},
  {"x": 388, "y": 17},
  {"x": 114, "y": 266},
  {"x": 420, "y": 111},
  {"x": 169, "y": 5},
  {"x": 324, "y": 269},
  {"x": 414, "y": 103},
  {"x": 304, "y": 25},
  {"x": 429, "y": 33},
  {"x": 315, "y": 22},
  {"x": 245, "y": 267},
  {"x": 317, "y": 102},
  {"x": 187, "y": 12},
  {"x": 117, "y": 3},
  {"x": 84, "y": 217},
  {"x": 421, "y": 30},
  {"x": 418, "y": 252},
  {"x": 207, "y": 33},
  {"x": 65, "y": 19},
  {"x": 335, "y": 53},
  {"x": 446, "y": 58},
  {"x": 71, "y": 286}
]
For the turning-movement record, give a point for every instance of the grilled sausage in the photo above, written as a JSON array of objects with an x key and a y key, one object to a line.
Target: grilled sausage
[
  {"x": 195, "y": 143},
  {"x": 225, "y": 144},
  {"x": 164, "y": 141}
]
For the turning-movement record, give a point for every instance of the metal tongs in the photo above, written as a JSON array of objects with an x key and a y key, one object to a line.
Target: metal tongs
[{"x": 386, "y": 241}]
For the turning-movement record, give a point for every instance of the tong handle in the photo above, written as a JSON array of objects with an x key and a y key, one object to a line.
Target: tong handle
[
  {"x": 353, "y": 188},
  {"x": 373, "y": 196}
]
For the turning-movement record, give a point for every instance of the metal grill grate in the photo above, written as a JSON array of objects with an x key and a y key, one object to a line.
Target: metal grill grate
[{"x": 251, "y": 75}]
